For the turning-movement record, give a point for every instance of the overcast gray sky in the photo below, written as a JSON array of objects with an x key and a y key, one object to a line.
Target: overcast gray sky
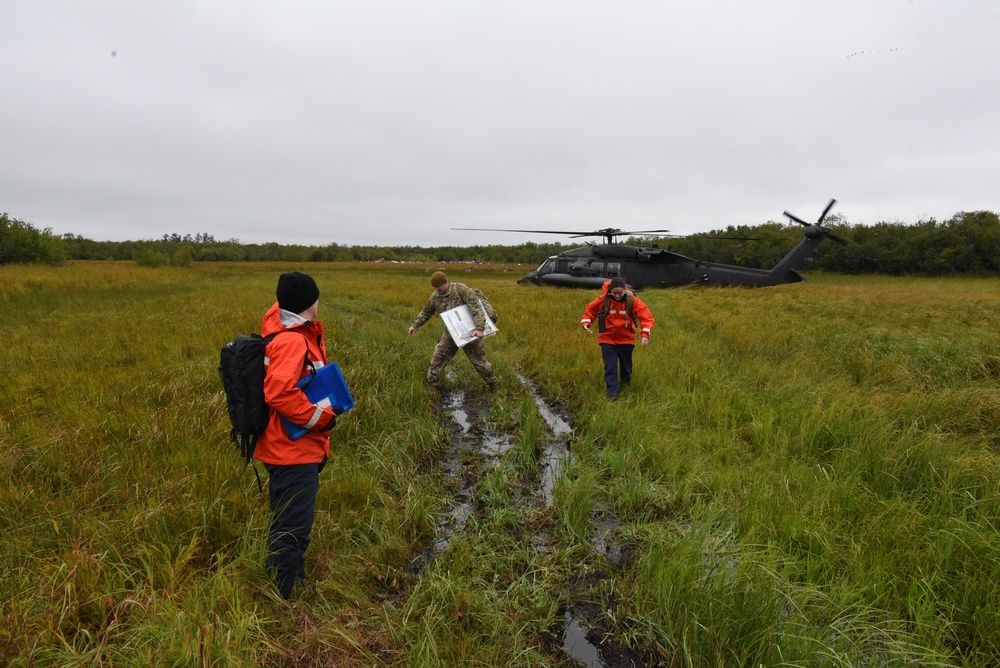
[{"x": 390, "y": 121}]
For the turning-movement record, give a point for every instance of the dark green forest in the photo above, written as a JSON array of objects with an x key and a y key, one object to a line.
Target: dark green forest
[{"x": 966, "y": 243}]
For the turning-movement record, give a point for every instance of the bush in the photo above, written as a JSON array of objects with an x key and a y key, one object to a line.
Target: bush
[
  {"x": 182, "y": 258},
  {"x": 21, "y": 242},
  {"x": 147, "y": 257}
]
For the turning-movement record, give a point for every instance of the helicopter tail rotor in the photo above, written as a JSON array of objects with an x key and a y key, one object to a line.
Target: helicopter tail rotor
[{"x": 819, "y": 223}]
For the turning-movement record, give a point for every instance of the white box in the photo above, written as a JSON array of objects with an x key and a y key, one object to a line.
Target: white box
[{"x": 462, "y": 327}]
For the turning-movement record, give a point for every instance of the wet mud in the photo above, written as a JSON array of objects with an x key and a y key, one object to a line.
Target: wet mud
[
  {"x": 583, "y": 636},
  {"x": 591, "y": 643},
  {"x": 555, "y": 448}
]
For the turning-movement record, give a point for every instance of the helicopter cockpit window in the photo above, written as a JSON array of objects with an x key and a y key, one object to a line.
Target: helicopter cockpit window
[
  {"x": 549, "y": 266},
  {"x": 614, "y": 269},
  {"x": 598, "y": 267}
]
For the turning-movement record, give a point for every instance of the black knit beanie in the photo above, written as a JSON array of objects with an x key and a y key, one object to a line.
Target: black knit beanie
[{"x": 296, "y": 291}]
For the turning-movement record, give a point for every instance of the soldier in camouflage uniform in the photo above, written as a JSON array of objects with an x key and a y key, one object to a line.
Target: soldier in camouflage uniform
[{"x": 448, "y": 295}]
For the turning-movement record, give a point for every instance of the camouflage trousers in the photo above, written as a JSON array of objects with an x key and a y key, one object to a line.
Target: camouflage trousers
[{"x": 446, "y": 349}]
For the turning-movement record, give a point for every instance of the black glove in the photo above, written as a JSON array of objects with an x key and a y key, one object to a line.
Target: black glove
[{"x": 331, "y": 424}]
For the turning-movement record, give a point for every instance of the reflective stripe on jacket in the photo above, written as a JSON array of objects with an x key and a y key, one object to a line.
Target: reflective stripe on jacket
[
  {"x": 619, "y": 328},
  {"x": 286, "y": 363}
]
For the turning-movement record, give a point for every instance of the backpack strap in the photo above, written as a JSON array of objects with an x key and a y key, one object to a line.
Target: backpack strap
[
  {"x": 305, "y": 359},
  {"x": 629, "y": 300},
  {"x": 247, "y": 444},
  {"x": 477, "y": 296}
]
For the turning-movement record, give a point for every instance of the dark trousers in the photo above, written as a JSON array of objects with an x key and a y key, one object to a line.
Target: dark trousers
[
  {"x": 616, "y": 356},
  {"x": 292, "y": 493}
]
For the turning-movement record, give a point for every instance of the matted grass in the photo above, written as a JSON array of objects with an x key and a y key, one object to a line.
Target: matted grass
[{"x": 806, "y": 475}]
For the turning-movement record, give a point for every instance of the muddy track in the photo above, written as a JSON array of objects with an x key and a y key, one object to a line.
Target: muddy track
[{"x": 584, "y": 634}]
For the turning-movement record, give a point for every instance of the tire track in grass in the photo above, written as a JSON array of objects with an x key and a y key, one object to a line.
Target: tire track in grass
[
  {"x": 470, "y": 449},
  {"x": 583, "y": 635}
]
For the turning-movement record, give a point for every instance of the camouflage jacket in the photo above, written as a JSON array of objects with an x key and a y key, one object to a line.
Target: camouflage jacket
[{"x": 458, "y": 294}]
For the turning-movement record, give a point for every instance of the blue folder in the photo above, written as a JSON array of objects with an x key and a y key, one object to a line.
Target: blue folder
[{"x": 326, "y": 387}]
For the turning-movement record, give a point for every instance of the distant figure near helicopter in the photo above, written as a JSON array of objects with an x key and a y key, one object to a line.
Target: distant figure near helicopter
[{"x": 617, "y": 313}]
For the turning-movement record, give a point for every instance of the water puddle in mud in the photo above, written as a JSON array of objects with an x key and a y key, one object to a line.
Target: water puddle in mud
[
  {"x": 578, "y": 616},
  {"x": 453, "y": 523},
  {"x": 606, "y": 542},
  {"x": 471, "y": 450},
  {"x": 469, "y": 443},
  {"x": 594, "y": 647},
  {"x": 454, "y": 404},
  {"x": 494, "y": 446},
  {"x": 461, "y": 509},
  {"x": 550, "y": 468},
  {"x": 555, "y": 450},
  {"x": 558, "y": 426},
  {"x": 575, "y": 643}
]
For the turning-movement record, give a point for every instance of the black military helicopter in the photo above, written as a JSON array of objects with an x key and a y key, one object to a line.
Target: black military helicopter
[{"x": 652, "y": 266}]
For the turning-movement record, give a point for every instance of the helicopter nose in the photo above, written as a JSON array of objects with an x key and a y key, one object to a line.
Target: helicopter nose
[{"x": 530, "y": 277}]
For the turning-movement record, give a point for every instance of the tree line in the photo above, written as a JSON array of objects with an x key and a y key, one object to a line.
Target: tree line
[{"x": 966, "y": 243}]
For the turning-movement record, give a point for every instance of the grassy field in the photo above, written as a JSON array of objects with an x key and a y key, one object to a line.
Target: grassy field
[{"x": 804, "y": 475}]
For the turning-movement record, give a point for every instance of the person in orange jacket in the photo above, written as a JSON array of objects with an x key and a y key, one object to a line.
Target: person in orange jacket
[
  {"x": 617, "y": 312},
  {"x": 293, "y": 467}
]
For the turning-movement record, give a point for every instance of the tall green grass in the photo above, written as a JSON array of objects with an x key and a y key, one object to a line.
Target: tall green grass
[
  {"x": 807, "y": 475},
  {"x": 846, "y": 432}
]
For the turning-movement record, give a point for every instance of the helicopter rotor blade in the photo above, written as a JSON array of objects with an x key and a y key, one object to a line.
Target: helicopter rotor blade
[
  {"x": 570, "y": 233},
  {"x": 826, "y": 210},
  {"x": 797, "y": 219},
  {"x": 616, "y": 233},
  {"x": 708, "y": 236},
  {"x": 834, "y": 237},
  {"x": 492, "y": 229}
]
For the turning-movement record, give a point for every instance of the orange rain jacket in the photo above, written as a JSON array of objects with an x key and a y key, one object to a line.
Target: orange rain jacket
[
  {"x": 619, "y": 328},
  {"x": 285, "y": 363}
]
